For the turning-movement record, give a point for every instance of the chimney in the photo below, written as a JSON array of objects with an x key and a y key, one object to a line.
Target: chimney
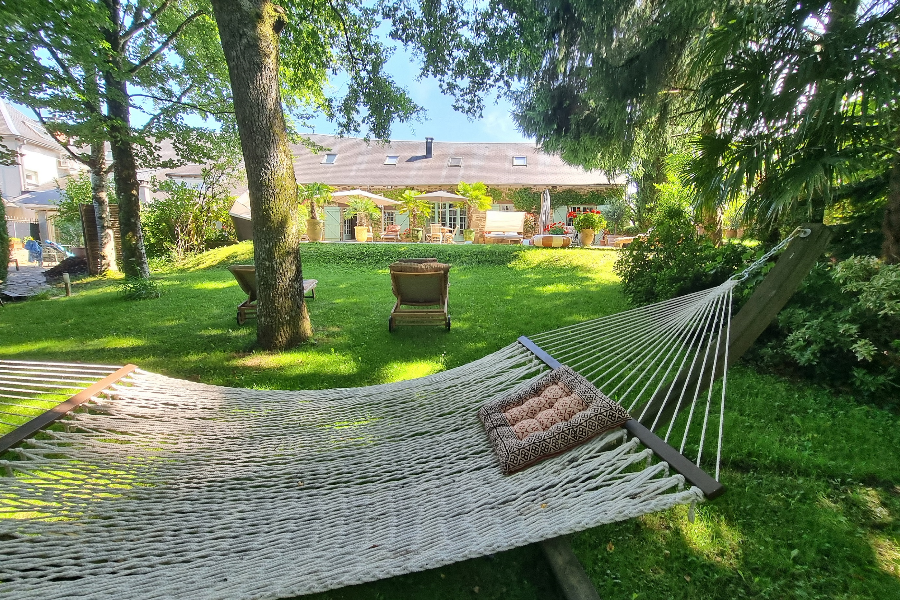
[{"x": 429, "y": 142}]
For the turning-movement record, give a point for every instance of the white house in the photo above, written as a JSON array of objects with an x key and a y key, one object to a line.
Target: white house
[{"x": 29, "y": 187}]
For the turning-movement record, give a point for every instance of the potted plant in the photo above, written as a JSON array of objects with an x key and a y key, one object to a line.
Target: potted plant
[
  {"x": 587, "y": 223},
  {"x": 555, "y": 228},
  {"x": 418, "y": 210},
  {"x": 468, "y": 235},
  {"x": 731, "y": 220},
  {"x": 616, "y": 211},
  {"x": 476, "y": 199},
  {"x": 315, "y": 195},
  {"x": 366, "y": 214}
]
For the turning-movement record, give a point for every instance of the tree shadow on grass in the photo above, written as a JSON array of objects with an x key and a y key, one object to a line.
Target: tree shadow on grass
[
  {"x": 191, "y": 331},
  {"x": 769, "y": 536}
]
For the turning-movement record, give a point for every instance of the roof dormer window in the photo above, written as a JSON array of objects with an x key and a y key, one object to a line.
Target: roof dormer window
[
  {"x": 329, "y": 159},
  {"x": 455, "y": 161},
  {"x": 520, "y": 161},
  {"x": 391, "y": 159}
]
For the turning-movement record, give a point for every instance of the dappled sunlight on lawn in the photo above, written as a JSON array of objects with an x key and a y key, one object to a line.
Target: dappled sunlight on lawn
[
  {"x": 710, "y": 536},
  {"x": 214, "y": 285},
  {"x": 403, "y": 370},
  {"x": 887, "y": 553},
  {"x": 301, "y": 363}
]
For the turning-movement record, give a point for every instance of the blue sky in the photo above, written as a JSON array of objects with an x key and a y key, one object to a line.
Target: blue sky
[{"x": 441, "y": 121}]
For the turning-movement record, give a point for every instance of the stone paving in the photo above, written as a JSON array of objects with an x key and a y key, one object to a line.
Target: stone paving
[{"x": 27, "y": 281}]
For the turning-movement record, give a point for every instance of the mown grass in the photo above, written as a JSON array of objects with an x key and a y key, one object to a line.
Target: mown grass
[{"x": 812, "y": 505}]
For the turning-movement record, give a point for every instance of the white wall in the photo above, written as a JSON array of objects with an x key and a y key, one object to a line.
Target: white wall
[
  {"x": 42, "y": 161},
  {"x": 10, "y": 176}
]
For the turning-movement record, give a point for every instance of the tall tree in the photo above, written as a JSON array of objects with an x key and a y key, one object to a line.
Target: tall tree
[
  {"x": 313, "y": 38},
  {"x": 605, "y": 84},
  {"x": 83, "y": 66},
  {"x": 804, "y": 98}
]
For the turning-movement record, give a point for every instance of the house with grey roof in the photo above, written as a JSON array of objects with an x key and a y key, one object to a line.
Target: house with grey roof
[
  {"x": 430, "y": 165},
  {"x": 29, "y": 187}
]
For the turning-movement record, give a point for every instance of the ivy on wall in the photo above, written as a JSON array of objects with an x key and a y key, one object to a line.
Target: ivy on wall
[{"x": 529, "y": 200}]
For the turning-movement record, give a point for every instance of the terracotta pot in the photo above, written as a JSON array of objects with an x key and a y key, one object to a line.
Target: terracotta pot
[
  {"x": 315, "y": 229},
  {"x": 360, "y": 233},
  {"x": 586, "y": 237}
]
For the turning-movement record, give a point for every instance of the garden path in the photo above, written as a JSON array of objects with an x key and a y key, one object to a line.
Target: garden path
[{"x": 24, "y": 283}]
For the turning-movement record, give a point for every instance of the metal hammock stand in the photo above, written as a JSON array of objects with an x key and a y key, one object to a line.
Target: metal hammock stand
[{"x": 155, "y": 487}]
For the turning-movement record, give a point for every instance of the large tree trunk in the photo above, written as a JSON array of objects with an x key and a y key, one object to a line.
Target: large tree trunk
[
  {"x": 890, "y": 227},
  {"x": 249, "y": 33},
  {"x": 100, "y": 198},
  {"x": 125, "y": 166}
]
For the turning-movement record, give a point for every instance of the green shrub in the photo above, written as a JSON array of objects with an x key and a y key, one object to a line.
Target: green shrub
[
  {"x": 674, "y": 259},
  {"x": 381, "y": 255},
  {"x": 186, "y": 218},
  {"x": 842, "y": 328},
  {"x": 138, "y": 288}
]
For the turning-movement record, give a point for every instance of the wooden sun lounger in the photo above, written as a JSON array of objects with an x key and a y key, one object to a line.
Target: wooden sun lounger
[{"x": 246, "y": 278}]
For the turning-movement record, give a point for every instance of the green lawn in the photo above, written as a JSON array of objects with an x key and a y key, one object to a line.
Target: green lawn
[{"x": 812, "y": 505}]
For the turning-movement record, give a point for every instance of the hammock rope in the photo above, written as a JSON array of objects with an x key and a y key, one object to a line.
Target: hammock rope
[{"x": 170, "y": 488}]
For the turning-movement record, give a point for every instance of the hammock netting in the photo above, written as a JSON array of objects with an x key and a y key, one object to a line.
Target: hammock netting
[{"x": 167, "y": 488}]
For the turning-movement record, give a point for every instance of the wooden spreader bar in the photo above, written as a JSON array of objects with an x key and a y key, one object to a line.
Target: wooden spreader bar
[
  {"x": 697, "y": 476},
  {"x": 36, "y": 424}
]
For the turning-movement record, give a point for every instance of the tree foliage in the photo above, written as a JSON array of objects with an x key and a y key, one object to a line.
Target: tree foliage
[
  {"x": 417, "y": 208},
  {"x": 803, "y": 99},
  {"x": 84, "y": 67},
  {"x": 315, "y": 195}
]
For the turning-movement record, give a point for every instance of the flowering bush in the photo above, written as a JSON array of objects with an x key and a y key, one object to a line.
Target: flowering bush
[
  {"x": 588, "y": 220},
  {"x": 557, "y": 228}
]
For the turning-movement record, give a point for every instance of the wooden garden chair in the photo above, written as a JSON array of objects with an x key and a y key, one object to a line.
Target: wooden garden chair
[
  {"x": 421, "y": 287},
  {"x": 391, "y": 233},
  {"x": 246, "y": 278}
]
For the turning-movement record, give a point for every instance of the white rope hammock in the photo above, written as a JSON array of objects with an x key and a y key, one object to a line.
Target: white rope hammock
[{"x": 162, "y": 488}]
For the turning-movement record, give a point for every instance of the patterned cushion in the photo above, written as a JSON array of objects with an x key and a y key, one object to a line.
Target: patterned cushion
[
  {"x": 526, "y": 426},
  {"x": 426, "y": 266}
]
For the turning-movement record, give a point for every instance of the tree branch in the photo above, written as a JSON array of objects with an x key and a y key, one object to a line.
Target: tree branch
[
  {"x": 179, "y": 101},
  {"x": 59, "y": 140},
  {"x": 137, "y": 26},
  {"x": 347, "y": 43},
  {"x": 73, "y": 81},
  {"x": 150, "y": 57}
]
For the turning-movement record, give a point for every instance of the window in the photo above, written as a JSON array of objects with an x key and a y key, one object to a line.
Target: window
[
  {"x": 31, "y": 178},
  {"x": 520, "y": 161},
  {"x": 455, "y": 161},
  {"x": 329, "y": 159},
  {"x": 391, "y": 159},
  {"x": 506, "y": 207},
  {"x": 576, "y": 210},
  {"x": 448, "y": 215},
  {"x": 390, "y": 217}
]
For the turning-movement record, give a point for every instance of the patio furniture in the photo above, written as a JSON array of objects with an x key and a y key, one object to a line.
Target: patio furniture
[
  {"x": 435, "y": 233},
  {"x": 391, "y": 234},
  {"x": 449, "y": 233},
  {"x": 421, "y": 287},
  {"x": 52, "y": 252},
  {"x": 503, "y": 227},
  {"x": 246, "y": 278}
]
